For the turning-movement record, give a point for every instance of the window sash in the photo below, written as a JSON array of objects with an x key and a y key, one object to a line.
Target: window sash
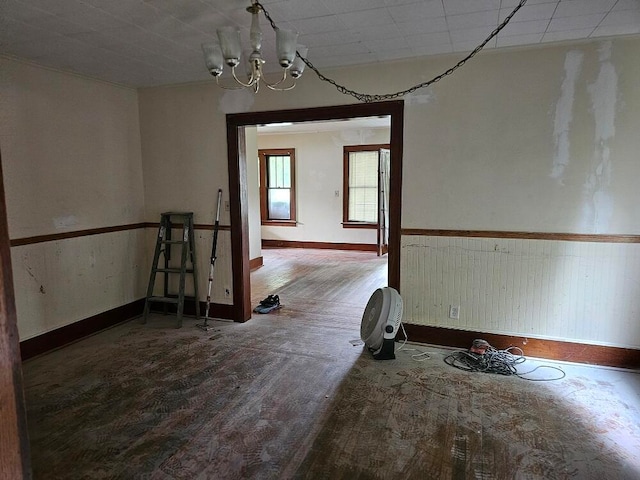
[
  {"x": 363, "y": 187},
  {"x": 277, "y": 186}
]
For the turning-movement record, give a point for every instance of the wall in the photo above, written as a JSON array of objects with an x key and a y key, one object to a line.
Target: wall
[
  {"x": 319, "y": 172},
  {"x": 184, "y": 163},
  {"x": 543, "y": 141},
  {"x": 534, "y": 140},
  {"x": 558, "y": 290},
  {"x": 72, "y": 162}
]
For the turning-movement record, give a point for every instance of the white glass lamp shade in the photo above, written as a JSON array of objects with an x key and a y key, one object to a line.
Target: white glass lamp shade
[
  {"x": 286, "y": 46},
  {"x": 213, "y": 58},
  {"x": 255, "y": 34},
  {"x": 230, "y": 44},
  {"x": 298, "y": 65}
]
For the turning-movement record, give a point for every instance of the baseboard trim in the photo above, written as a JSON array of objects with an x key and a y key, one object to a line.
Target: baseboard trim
[
  {"x": 364, "y": 247},
  {"x": 83, "y": 328},
  {"x": 256, "y": 263},
  {"x": 216, "y": 310},
  {"x": 70, "y": 333},
  {"x": 532, "y": 347}
]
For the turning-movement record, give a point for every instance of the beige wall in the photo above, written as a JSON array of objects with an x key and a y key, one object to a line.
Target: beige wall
[
  {"x": 535, "y": 140},
  {"x": 71, "y": 160},
  {"x": 541, "y": 139},
  {"x": 319, "y": 171},
  {"x": 184, "y": 162}
]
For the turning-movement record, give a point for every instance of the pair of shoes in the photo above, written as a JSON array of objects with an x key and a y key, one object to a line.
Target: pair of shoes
[{"x": 272, "y": 302}]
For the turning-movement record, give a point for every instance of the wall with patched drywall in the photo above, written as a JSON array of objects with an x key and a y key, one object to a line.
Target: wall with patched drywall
[{"x": 537, "y": 139}]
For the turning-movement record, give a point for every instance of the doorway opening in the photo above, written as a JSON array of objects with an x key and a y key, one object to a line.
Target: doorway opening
[{"x": 238, "y": 191}]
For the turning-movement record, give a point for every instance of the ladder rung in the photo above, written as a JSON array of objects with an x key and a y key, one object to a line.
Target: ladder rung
[
  {"x": 185, "y": 244},
  {"x": 173, "y": 270},
  {"x": 163, "y": 299}
]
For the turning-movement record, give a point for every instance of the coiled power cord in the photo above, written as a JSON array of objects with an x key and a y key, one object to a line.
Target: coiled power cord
[{"x": 482, "y": 357}]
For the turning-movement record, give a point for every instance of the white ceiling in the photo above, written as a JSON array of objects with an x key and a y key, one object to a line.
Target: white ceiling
[
  {"x": 326, "y": 126},
  {"x": 155, "y": 42}
]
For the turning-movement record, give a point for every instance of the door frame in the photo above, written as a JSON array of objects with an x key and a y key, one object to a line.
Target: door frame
[
  {"x": 238, "y": 197},
  {"x": 15, "y": 459},
  {"x": 383, "y": 207}
]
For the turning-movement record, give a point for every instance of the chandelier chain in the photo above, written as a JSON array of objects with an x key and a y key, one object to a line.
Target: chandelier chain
[{"x": 368, "y": 98}]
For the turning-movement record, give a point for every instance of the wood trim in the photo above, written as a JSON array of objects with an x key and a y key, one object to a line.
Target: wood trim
[
  {"x": 196, "y": 226},
  {"x": 216, "y": 310},
  {"x": 239, "y": 214},
  {"x": 363, "y": 247},
  {"x": 236, "y": 158},
  {"x": 532, "y": 347},
  {"x": 98, "y": 231},
  {"x": 279, "y": 223},
  {"x": 395, "y": 194},
  {"x": 75, "y": 331},
  {"x": 15, "y": 459},
  {"x": 256, "y": 263},
  {"x": 78, "y": 233},
  {"x": 264, "y": 181},
  {"x": 365, "y": 226},
  {"x": 83, "y": 328},
  {"x": 567, "y": 237}
]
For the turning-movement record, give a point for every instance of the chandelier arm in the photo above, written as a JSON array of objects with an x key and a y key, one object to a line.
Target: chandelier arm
[
  {"x": 251, "y": 82},
  {"x": 275, "y": 84},
  {"x": 279, "y": 89},
  {"x": 366, "y": 97},
  {"x": 227, "y": 87}
]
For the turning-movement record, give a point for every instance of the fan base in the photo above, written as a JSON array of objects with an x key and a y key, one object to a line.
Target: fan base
[{"x": 386, "y": 352}]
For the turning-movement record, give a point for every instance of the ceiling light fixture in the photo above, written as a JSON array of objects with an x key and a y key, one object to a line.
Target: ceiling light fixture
[{"x": 227, "y": 50}]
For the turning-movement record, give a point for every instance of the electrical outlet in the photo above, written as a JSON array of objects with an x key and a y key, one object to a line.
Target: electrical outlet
[
  {"x": 227, "y": 292},
  {"x": 227, "y": 207},
  {"x": 454, "y": 311}
]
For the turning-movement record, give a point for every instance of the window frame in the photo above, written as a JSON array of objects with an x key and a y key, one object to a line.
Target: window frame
[
  {"x": 347, "y": 149},
  {"x": 263, "y": 155}
]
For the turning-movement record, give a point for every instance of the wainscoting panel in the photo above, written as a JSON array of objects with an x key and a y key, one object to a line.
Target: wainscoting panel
[
  {"x": 566, "y": 290},
  {"x": 66, "y": 280}
]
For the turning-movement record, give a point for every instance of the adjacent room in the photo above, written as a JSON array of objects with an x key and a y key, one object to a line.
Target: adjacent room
[{"x": 476, "y": 161}]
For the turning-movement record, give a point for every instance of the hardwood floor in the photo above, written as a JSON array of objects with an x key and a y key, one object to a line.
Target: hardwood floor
[
  {"x": 319, "y": 281},
  {"x": 288, "y": 395}
]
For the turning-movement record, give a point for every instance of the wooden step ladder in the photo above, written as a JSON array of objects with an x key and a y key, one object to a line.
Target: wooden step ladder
[{"x": 164, "y": 243}]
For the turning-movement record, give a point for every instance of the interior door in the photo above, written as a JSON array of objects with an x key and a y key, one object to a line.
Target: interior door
[{"x": 384, "y": 168}]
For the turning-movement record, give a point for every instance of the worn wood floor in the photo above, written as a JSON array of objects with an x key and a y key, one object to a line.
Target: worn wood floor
[{"x": 287, "y": 395}]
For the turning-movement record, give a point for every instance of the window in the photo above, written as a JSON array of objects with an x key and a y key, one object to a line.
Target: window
[
  {"x": 360, "y": 207},
  {"x": 277, "y": 187}
]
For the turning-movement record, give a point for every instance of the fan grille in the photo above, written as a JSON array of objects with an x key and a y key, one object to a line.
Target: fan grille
[{"x": 371, "y": 314}]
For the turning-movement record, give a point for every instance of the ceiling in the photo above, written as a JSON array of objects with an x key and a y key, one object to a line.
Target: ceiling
[
  {"x": 155, "y": 42},
  {"x": 341, "y": 125}
]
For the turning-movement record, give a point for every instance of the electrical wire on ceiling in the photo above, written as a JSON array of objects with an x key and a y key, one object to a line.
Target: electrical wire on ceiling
[{"x": 367, "y": 97}]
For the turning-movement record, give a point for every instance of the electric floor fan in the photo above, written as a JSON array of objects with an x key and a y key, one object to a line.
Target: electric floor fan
[{"x": 381, "y": 321}]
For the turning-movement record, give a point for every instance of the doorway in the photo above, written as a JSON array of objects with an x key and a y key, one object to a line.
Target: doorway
[{"x": 237, "y": 163}]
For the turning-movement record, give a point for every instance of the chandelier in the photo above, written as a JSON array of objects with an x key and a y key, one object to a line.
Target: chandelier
[{"x": 227, "y": 50}]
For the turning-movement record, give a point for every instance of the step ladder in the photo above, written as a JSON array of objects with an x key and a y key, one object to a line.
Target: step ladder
[{"x": 164, "y": 242}]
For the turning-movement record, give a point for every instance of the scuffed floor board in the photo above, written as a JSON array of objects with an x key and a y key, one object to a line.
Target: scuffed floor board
[{"x": 287, "y": 395}]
